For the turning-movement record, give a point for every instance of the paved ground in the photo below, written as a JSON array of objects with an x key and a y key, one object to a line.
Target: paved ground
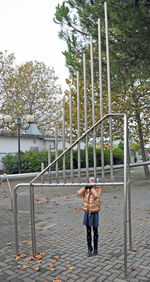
[{"x": 61, "y": 238}]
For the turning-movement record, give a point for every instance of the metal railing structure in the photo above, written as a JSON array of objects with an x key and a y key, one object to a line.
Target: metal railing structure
[
  {"x": 124, "y": 183},
  {"x": 86, "y": 136}
]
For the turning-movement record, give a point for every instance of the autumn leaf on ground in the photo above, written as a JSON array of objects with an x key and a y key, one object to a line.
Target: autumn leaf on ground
[
  {"x": 24, "y": 242},
  {"x": 25, "y": 266},
  {"x": 132, "y": 268},
  {"x": 30, "y": 258},
  {"x": 144, "y": 243},
  {"x": 53, "y": 239},
  {"x": 36, "y": 200},
  {"x": 56, "y": 257},
  {"x": 79, "y": 230},
  {"x": 52, "y": 269},
  {"x": 71, "y": 268},
  {"x": 67, "y": 265},
  {"x": 9, "y": 243},
  {"x": 36, "y": 268},
  {"x": 65, "y": 225},
  {"x": 134, "y": 250},
  {"x": 23, "y": 255},
  {"x": 148, "y": 209},
  {"x": 50, "y": 265},
  {"x": 115, "y": 197},
  {"x": 0, "y": 270},
  {"x": 57, "y": 241},
  {"x": 140, "y": 224},
  {"x": 107, "y": 258},
  {"x": 56, "y": 280},
  {"x": 9, "y": 209},
  {"x": 127, "y": 220},
  {"x": 132, "y": 213}
]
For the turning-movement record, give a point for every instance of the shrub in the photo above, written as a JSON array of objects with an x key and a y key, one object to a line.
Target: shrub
[{"x": 31, "y": 160}]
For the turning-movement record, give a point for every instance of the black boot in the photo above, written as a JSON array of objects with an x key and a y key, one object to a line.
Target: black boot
[
  {"x": 89, "y": 241},
  {"x": 95, "y": 230}
]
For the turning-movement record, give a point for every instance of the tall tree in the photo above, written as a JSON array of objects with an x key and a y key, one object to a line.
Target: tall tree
[
  {"x": 32, "y": 88},
  {"x": 129, "y": 37}
]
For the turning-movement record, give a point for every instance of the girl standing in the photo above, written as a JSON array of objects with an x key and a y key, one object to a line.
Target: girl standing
[{"x": 91, "y": 206}]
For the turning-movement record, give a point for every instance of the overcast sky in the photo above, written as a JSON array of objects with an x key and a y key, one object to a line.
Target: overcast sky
[{"x": 28, "y": 31}]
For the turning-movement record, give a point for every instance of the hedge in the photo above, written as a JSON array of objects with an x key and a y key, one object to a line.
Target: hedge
[{"x": 31, "y": 160}]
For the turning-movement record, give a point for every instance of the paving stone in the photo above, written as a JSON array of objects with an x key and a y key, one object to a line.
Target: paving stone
[{"x": 72, "y": 247}]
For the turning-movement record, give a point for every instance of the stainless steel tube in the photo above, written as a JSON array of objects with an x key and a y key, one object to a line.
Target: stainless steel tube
[
  {"x": 93, "y": 106},
  {"x": 101, "y": 97},
  {"x": 78, "y": 126},
  {"x": 109, "y": 91},
  {"x": 85, "y": 117},
  {"x": 125, "y": 197},
  {"x": 49, "y": 161},
  {"x": 32, "y": 215},
  {"x": 56, "y": 152},
  {"x": 63, "y": 139},
  {"x": 71, "y": 151},
  {"x": 16, "y": 222}
]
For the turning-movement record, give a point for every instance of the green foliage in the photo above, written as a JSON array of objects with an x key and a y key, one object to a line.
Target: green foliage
[{"x": 31, "y": 160}]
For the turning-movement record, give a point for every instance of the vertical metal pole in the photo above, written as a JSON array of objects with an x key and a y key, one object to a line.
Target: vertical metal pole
[
  {"x": 56, "y": 152},
  {"x": 42, "y": 168},
  {"x": 63, "y": 139},
  {"x": 18, "y": 128},
  {"x": 129, "y": 192},
  {"x": 78, "y": 126},
  {"x": 85, "y": 117},
  {"x": 71, "y": 151},
  {"x": 93, "y": 106},
  {"x": 109, "y": 92},
  {"x": 49, "y": 161},
  {"x": 32, "y": 214},
  {"x": 125, "y": 197},
  {"x": 16, "y": 222},
  {"x": 101, "y": 97}
]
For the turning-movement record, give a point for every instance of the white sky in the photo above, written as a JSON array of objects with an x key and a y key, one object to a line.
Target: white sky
[{"x": 28, "y": 31}]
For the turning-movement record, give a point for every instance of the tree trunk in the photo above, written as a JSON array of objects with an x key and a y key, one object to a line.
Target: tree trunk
[{"x": 138, "y": 119}]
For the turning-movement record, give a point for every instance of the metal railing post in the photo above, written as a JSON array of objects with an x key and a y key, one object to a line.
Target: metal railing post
[
  {"x": 32, "y": 214},
  {"x": 125, "y": 197},
  {"x": 16, "y": 222}
]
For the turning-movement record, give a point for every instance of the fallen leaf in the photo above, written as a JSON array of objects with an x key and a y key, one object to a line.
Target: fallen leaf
[
  {"x": 115, "y": 197},
  {"x": 24, "y": 242},
  {"x": 53, "y": 239},
  {"x": 57, "y": 241},
  {"x": 36, "y": 268},
  {"x": 144, "y": 243},
  {"x": 23, "y": 255},
  {"x": 65, "y": 225},
  {"x": 56, "y": 280},
  {"x": 9, "y": 209},
  {"x": 67, "y": 265},
  {"x": 51, "y": 265},
  {"x": 132, "y": 268},
  {"x": 71, "y": 268},
  {"x": 134, "y": 250},
  {"x": 0, "y": 270},
  {"x": 56, "y": 257},
  {"x": 25, "y": 266},
  {"x": 52, "y": 269},
  {"x": 30, "y": 258},
  {"x": 132, "y": 213},
  {"x": 140, "y": 224},
  {"x": 127, "y": 220},
  {"x": 9, "y": 243},
  {"x": 79, "y": 230},
  {"x": 107, "y": 258}
]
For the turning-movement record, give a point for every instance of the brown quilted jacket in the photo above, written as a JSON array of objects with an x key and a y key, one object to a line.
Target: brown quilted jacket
[{"x": 91, "y": 198}]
